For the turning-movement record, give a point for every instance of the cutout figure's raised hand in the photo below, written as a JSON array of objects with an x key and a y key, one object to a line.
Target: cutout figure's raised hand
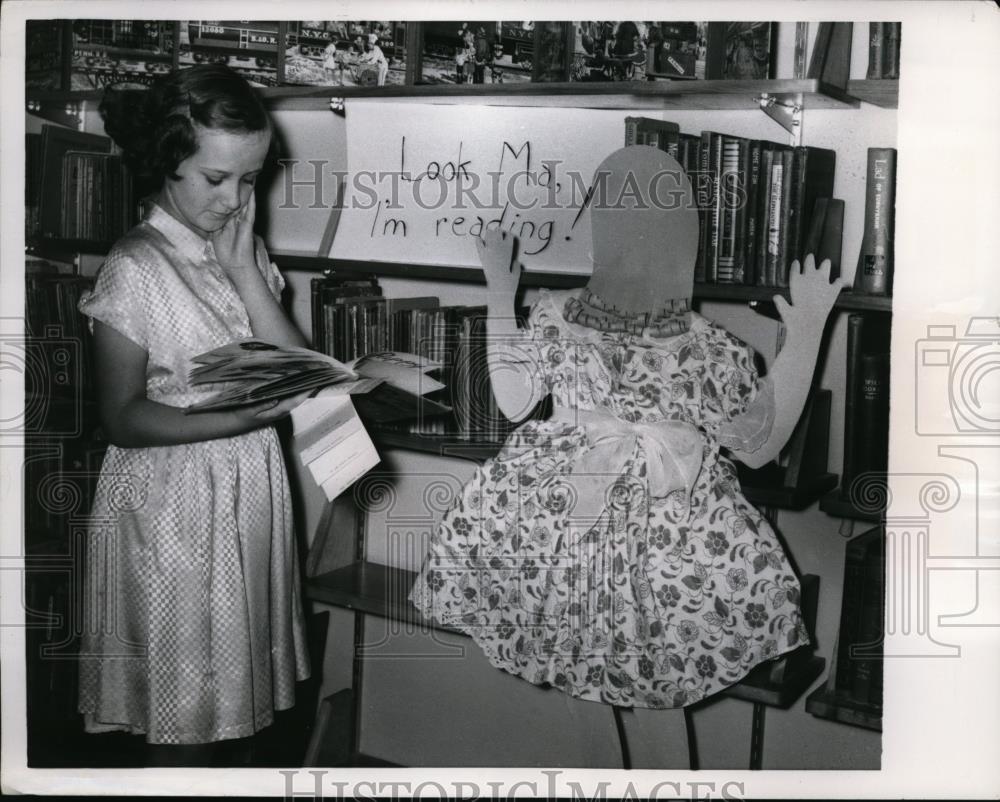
[
  {"x": 497, "y": 254},
  {"x": 812, "y": 294}
]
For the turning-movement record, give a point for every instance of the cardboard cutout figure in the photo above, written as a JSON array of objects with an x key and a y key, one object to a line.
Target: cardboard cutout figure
[{"x": 608, "y": 551}]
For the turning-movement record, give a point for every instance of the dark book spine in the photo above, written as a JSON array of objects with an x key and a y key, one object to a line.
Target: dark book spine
[
  {"x": 740, "y": 212},
  {"x": 870, "y": 624},
  {"x": 316, "y": 312},
  {"x": 752, "y": 216},
  {"x": 764, "y": 212},
  {"x": 850, "y": 610},
  {"x": 785, "y": 226},
  {"x": 890, "y": 50},
  {"x": 871, "y": 448},
  {"x": 820, "y": 49},
  {"x": 831, "y": 245},
  {"x": 873, "y": 275},
  {"x": 875, "y": 35},
  {"x": 855, "y": 328},
  {"x": 813, "y": 178}
]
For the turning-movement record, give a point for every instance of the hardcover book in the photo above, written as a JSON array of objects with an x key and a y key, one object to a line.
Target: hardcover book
[{"x": 873, "y": 275}]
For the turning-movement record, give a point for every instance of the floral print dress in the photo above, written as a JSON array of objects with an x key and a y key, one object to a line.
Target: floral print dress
[{"x": 609, "y": 551}]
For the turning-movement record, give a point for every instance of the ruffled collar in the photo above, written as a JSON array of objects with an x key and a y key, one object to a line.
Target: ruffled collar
[{"x": 589, "y": 309}]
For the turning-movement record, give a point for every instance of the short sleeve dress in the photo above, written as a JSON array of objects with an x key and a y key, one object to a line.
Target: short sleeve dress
[
  {"x": 194, "y": 626},
  {"x": 609, "y": 551}
]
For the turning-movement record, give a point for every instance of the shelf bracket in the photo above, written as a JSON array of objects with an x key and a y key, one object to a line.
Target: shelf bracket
[
  {"x": 786, "y": 110},
  {"x": 67, "y": 113}
]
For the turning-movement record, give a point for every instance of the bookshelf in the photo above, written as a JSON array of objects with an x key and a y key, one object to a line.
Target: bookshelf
[
  {"x": 367, "y": 587},
  {"x": 737, "y": 293}
]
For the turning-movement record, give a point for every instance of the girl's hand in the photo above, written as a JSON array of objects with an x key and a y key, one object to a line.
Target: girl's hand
[
  {"x": 234, "y": 242},
  {"x": 496, "y": 254},
  {"x": 812, "y": 294},
  {"x": 270, "y": 411}
]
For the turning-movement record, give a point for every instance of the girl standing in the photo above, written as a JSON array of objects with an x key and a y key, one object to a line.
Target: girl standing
[{"x": 195, "y": 629}]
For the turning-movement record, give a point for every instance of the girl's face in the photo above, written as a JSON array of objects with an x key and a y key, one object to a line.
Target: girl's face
[{"x": 216, "y": 181}]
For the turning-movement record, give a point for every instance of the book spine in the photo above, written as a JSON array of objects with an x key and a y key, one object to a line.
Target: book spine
[
  {"x": 821, "y": 45},
  {"x": 316, "y": 311},
  {"x": 801, "y": 46},
  {"x": 870, "y": 624},
  {"x": 764, "y": 213},
  {"x": 752, "y": 216},
  {"x": 741, "y": 212},
  {"x": 890, "y": 50},
  {"x": 774, "y": 222},
  {"x": 850, "y": 610},
  {"x": 875, "y": 35},
  {"x": 855, "y": 327},
  {"x": 714, "y": 221},
  {"x": 873, "y": 275},
  {"x": 728, "y": 207},
  {"x": 784, "y": 228},
  {"x": 872, "y": 445},
  {"x": 796, "y": 201},
  {"x": 813, "y": 242},
  {"x": 704, "y": 196},
  {"x": 816, "y": 180},
  {"x": 631, "y": 131},
  {"x": 831, "y": 245}
]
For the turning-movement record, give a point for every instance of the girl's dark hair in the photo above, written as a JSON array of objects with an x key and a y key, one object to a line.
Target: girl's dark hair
[{"x": 155, "y": 127}]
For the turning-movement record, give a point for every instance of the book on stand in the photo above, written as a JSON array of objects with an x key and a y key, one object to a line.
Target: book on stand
[
  {"x": 873, "y": 275},
  {"x": 655, "y": 133}
]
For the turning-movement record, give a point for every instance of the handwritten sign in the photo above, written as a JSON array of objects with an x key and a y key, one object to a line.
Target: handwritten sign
[{"x": 425, "y": 180}]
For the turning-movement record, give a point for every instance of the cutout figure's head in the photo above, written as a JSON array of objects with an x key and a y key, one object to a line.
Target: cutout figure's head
[{"x": 644, "y": 223}]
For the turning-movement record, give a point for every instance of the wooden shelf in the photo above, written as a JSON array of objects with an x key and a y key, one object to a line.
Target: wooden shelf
[
  {"x": 53, "y": 246},
  {"x": 380, "y": 590},
  {"x": 789, "y": 498},
  {"x": 832, "y": 504},
  {"x": 695, "y": 95},
  {"x": 828, "y": 704},
  {"x": 439, "y": 445},
  {"x": 881, "y": 92},
  {"x": 298, "y": 260}
]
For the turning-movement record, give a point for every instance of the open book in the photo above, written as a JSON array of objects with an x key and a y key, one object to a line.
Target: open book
[{"x": 386, "y": 386}]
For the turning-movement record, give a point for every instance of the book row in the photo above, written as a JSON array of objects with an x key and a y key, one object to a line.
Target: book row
[
  {"x": 76, "y": 187},
  {"x": 883, "y": 50},
  {"x": 351, "y": 319},
  {"x": 757, "y": 201}
]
